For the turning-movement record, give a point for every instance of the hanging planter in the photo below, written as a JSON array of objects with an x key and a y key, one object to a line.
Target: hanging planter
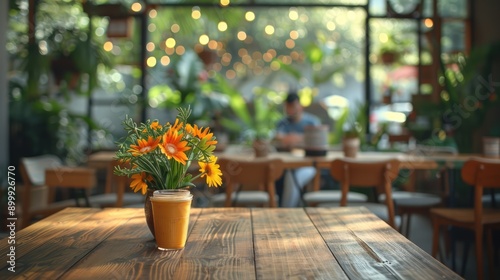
[
  {"x": 389, "y": 57},
  {"x": 64, "y": 69}
]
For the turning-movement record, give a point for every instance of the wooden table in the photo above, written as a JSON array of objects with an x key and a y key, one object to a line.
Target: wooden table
[
  {"x": 223, "y": 243},
  {"x": 293, "y": 159},
  {"x": 296, "y": 158}
]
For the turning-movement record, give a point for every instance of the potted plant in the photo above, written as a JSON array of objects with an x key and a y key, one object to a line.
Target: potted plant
[
  {"x": 390, "y": 51},
  {"x": 491, "y": 142},
  {"x": 351, "y": 140},
  {"x": 353, "y": 125},
  {"x": 254, "y": 121}
]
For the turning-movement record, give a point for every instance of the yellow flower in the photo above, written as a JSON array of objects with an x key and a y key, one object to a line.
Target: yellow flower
[
  {"x": 173, "y": 146},
  {"x": 212, "y": 171},
  {"x": 139, "y": 182},
  {"x": 144, "y": 146}
]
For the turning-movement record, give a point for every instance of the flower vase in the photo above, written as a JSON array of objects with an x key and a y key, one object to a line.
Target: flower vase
[{"x": 148, "y": 211}]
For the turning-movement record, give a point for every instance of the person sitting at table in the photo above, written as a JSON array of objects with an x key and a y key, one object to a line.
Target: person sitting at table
[{"x": 290, "y": 134}]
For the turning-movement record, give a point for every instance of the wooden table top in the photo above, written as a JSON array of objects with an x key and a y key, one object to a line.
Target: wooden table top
[{"x": 223, "y": 243}]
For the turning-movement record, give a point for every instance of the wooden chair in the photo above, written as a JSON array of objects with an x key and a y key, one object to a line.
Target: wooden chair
[
  {"x": 249, "y": 182},
  {"x": 480, "y": 173},
  {"x": 412, "y": 201},
  {"x": 40, "y": 176},
  {"x": 378, "y": 174},
  {"x": 117, "y": 191},
  {"x": 315, "y": 197}
]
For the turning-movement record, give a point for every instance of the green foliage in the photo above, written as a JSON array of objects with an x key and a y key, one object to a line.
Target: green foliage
[
  {"x": 254, "y": 120},
  {"x": 40, "y": 122},
  {"x": 188, "y": 84},
  {"x": 470, "y": 92},
  {"x": 351, "y": 124},
  {"x": 313, "y": 69},
  {"x": 44, "y": 126}
]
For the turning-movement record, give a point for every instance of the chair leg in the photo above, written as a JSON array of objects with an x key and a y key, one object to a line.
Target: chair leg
[
  {"x": 465, "y": 256},
  {"x": 435, "y": 239},
  {"x": 408, "y": 222},
  {"x": 490, "y": 253},
  {"x": 453, "y": 248},
  {"x": 479, "y": 253}
]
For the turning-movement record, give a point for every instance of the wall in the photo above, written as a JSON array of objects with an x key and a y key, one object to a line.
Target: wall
[{"x": 486, "y": 21}]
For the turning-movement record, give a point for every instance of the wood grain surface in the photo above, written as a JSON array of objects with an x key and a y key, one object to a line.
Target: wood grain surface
[{"x": 223, "y": 243}]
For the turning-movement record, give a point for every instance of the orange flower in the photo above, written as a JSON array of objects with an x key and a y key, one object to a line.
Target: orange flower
[
  {"x": 139, "y": 182},
  {"x": 177, "y": 125},
  {"x": 155, "y": 125},
  {"x": 173, "y": 146},
  {"x": 212, "y": 171},
  {"x": 144, "y": 146},
  {"x": 205, "y": 135}
]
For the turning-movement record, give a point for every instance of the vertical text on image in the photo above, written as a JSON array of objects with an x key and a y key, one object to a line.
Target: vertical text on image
[{"x": 11, "y": 217}]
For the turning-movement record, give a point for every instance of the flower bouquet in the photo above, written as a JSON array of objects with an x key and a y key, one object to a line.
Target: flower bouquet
[{"x": 159, "y": 156}]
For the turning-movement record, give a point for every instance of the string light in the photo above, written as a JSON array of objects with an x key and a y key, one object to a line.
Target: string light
[
  {"x": 269, "y": 29},
  {"x": 170, "y": 43},
  {"x": 180, "y": 50},
  {"x": 195, "y": 12},
  {"x": 241, "y": 35},
  {"x": 428, "y": 23},
  {"x": 293, "y": 14},
  {"x": 175, "y": 28},
  {"x": 150, "y": 46},
  {"x": 213, "y": 45},
  {"x": 204, "y": 39},
  {"x": 151, "y": 62},
  {"x": 230, "y": 74},
  {"x": 153, "y": 13},
  {"x": 136, "y": 7},
  {"x": 222, "y": 26},
  {"x": 331, "y": 26},
  {"x": 165, "y": 60},
  {"x": 108, "y": 46},
  {"x": 249, "y": 16},
  {"x": 151, "y": 27}
]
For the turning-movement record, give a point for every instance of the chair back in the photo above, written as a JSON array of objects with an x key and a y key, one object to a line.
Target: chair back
[
  {"x": 481, "y": 173},
  {"x": 33, "y": 168},
  {"x": 379, "y": 174},
  {"x": 255, "y": 174}
]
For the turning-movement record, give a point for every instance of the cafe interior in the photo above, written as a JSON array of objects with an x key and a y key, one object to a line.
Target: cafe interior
[{"x": 412, "y": 81}]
